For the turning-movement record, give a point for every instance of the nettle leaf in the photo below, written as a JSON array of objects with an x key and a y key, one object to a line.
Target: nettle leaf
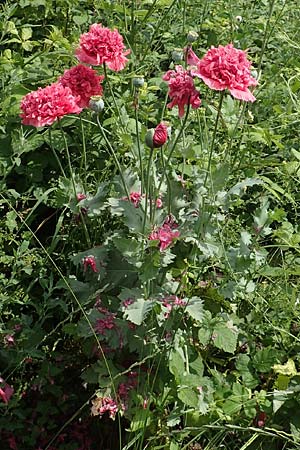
[
  {"x": 188, "y": 396},
  {"x": 265, "y": 359},
  {"x": 177, "y": 363},
  {"x": 225, "y": 338},
  {"x": 137, "y": 311},
  {"x": 195, "y": 308},
  {"x": 241, "y": 187}
]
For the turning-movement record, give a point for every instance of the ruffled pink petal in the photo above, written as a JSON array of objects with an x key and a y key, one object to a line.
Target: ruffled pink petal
[{"x": 246, "y": 95}]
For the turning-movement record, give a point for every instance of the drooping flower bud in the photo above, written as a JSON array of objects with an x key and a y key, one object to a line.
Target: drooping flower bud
[
  {"x": 138, "y": 82},
  {"x": 157, "y": 137},
  {"x": 192, "y": 36},
  {"x": 96, "y": 103}
]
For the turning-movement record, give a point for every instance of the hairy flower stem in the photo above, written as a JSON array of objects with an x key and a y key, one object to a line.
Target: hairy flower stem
[
  {"x": 55, "y": 154},
  {"x": 110, "y": 147},
  {"x": 113, "y": 96},
  {"x": 136, "y": 105},
  {"x": 174, "y": 146},
  {"x": 84, "y": 158},
  {"x": 87, "y": 237},
  {"x": 148, "y": 196},
  {"x": 214, "y": 136}
]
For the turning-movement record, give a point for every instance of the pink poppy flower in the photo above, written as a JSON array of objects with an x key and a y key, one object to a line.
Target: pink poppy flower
[
  {"x": 227, "y": 68},
  {"x": 89, "y": 261},
  {"x": 165, "y": 235},
  {"x": 6, "y": 391},
  {"x": 46, "y": 105},
  {"x": 101, "y": 405},
  {"x": 101, "y": 45},
  {"x": 182, "y": 90},
  {"x": 83, "y": 82}
]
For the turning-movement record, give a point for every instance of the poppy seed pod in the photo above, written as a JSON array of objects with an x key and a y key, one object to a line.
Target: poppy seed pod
[{"x": 96, "y": 104}]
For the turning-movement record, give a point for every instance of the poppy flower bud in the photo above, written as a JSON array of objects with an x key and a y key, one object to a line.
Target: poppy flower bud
[
  {"x": 138, "y": 82},
  {"x": 96, "y": 103},
  {"x": 157, "y": 137},
  {"x": 192, "y": 36},
  {"x": 177, "y": 55}
]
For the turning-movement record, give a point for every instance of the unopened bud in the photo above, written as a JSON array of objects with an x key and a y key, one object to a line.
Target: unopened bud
[
  {"x": 177, "y": 55},
  {"x": 157, "y": 137},
  {"x": 192, "y": 36},
  {"x": 96, "y": 103},
  {"x": 138, "y": 82}
]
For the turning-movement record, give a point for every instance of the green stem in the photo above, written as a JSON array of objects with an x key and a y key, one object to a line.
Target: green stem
[
  {"x": 138, "y": 139},
  {"x": 174, "y": 144},
  {"x": 113, "y": 95},
  {"x": 84, "y": 158},
  {"x": 114, "y": 156},
  {"x": 55, "y": 154},
  {"x": 87, "y": 237},
  {"x": 214, "y": 136},
  {"x": 147, "y": 188}
]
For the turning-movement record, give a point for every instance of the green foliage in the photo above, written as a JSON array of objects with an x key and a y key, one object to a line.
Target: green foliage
[{"x": 195, "y": 339}]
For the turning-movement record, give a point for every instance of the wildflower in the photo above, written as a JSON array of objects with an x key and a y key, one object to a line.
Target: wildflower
[
  {"x": 182, "y": 90},
  {"x": 170, "y": 302},
  {"x": 89, "y": 261},
  {"x": 6, "y": 391},
  {"x": 135, "y": 198},
  {"x": 101, "y": 405},
  {"x": 46, "y": 105},
  {"x": 9, "y": 340},
  {"x": 227, "y": 68},
  {"x": 80, "y": 197},
  {"x": 127, "y": 302},
  {"x": 83, "y": 82},
  {"x": 165, "y": 235},
  {"x": 101, "y": 45},
  {"x": 107, "y": 323},
  {"x": 159, "y": 203}
]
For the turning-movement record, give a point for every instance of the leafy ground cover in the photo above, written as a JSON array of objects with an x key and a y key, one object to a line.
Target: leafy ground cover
[{"x": 149, "y": 243}]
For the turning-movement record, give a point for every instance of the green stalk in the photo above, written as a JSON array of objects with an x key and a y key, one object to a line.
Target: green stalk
[
  {"x": 214, "y": 136},
  {"x": 55, "y": 154},
  {"x": 138, "y": 138},
  {"x": 87, "y": 237},
  {"x": 174, "y": 144},
  {"x": 148, "y": 188},
  {"x": 84, "y": 158},
  {"x": 113, "y": 155},
  {"x": 113, "y": 95}
]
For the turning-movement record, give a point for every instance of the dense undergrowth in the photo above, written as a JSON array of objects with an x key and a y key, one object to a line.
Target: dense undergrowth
[{"x": 149, "y": 297}]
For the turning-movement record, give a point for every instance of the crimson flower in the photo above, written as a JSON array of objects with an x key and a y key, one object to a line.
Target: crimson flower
[
  {"x": 165, "y": 235},
  {"x": 90, "y": 261},
  {"x": 227, "y": 68},
  {"x": 160, "y": 135},
  {"x": 101, "y": 45},
  {"x": 182, "y": 90},
  {"x": 46, "y": 105},
  {"x": 83, "y": 82}
]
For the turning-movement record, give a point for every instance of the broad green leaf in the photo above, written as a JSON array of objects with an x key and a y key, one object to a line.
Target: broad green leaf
[
  {"x": 195, "y": 308},
  {"x": 225, "y": 338},
  {"x": 288, "y": 368},
  {"x": 188, "y": 396},
  {"x": 137, "y": 311},
  {"x": 264, "y": 359}
]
